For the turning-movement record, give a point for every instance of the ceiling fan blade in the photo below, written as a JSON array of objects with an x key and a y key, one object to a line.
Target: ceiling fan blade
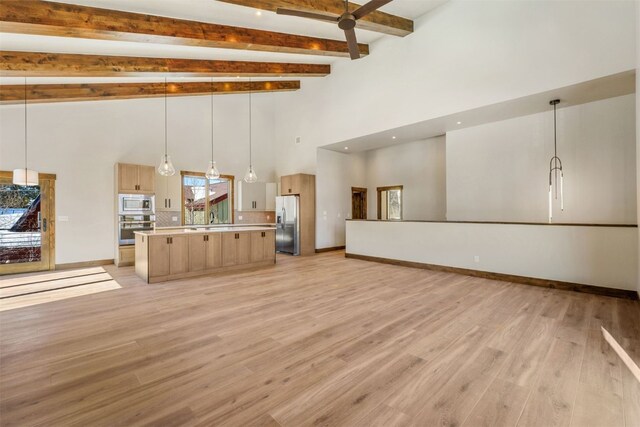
[
  {"x": 367, "y": 8},
  {"x": 354, "y": 51},
  {"x": 303, "y": 14}
]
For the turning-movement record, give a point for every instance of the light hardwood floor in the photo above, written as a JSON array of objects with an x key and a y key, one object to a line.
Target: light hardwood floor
[{"x": 320, "y": 340}]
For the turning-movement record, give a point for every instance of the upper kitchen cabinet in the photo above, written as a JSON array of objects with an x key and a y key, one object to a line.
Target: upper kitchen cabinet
[
  {"x": 294, "y": 184},
  {"x": 135, "y": 179},
  {"x": 257, "y": 196},
  {"x": 168, "y": 192}
]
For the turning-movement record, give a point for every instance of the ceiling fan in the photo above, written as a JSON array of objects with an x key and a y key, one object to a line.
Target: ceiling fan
[{"x": 346, "y": 21}]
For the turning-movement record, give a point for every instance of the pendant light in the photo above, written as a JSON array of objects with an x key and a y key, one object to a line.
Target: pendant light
[
  {"x": 25, "y": 176},
  {"x": 555, "y": 166},
  {"x": 212, "y": 171},
  {"x": 166, "y": 166},
  {"x": 250, "y": 176}
]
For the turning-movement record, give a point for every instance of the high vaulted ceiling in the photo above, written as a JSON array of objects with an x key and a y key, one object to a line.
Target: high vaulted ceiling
[
  {"x": 80, "y": 50},
  {"x": 207, "y": 11}
]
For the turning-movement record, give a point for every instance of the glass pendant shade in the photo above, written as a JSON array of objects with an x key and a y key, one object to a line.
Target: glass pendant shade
[
  {"x": 212, "y": 171},
  {"x": 166, "y": 166},
  {"x": 250, "y": 176},
  {"x": 25, "y": 177}
]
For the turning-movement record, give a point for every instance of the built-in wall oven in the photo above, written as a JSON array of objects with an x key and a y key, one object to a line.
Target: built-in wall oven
[
  {"x": 127, "y": 229},
  {"x": 136, "y": 212}
]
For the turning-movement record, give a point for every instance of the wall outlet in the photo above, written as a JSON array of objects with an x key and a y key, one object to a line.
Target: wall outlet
[
  {"x": 63, "y": 218},
  {"x": 298, "y": 139},
  {"x": 476, "y": 258},
  {"x": 239, "y": 217},
  {"x": 268, "y": 217},
  {"x": 174, "y": 218}
]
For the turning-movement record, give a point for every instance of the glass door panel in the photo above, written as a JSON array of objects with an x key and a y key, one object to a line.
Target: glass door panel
[{"x": 26, "y": 242}]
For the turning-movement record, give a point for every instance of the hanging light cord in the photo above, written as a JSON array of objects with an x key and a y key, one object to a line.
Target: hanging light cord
[
  {"x": 166, "y": 145},
  {"x": 555, "y": 149},
  {"x": 212, "y": 119},
  {"x": 250, "y": 122},
  {"x": 25, "y": 129}
]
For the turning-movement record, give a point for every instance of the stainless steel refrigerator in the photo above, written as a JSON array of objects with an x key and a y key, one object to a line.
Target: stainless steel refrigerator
[{"x": 288, "y": 225}]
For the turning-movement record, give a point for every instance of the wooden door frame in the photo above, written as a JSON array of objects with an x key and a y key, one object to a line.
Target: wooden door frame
[
  {"x": 47, "y": 182},
  {"x": 231, "y": 178},
  {"x": 360, "y": 190},
  {"x": 390, "y": 187}
]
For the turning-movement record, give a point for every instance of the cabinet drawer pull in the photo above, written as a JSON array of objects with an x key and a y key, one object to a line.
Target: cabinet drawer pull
[{"x": 169, "y": 202}]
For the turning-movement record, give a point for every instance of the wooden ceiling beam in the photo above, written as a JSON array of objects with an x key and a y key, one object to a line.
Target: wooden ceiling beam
[
  {"x": 70, "y": 64},
  {"x": 67, "y": 20},
  {"x": 44, "y": 93},
  {"x": 376, "y": 21}
]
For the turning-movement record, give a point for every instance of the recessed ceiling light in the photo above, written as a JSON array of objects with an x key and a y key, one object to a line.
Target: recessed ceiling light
[
  {"x": 258, "y": 13},
  {"x": 459, "y": 123},
  {"x": 346, "y": 148},
  {"x": 393, "y": 137}
]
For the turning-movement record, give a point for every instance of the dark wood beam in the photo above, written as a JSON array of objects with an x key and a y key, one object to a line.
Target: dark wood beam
[
  {"x": 43, "y": 93},
  {"x": 376, "y": 21},
  {"x": 71, "y": 64},
  {"x": 67, "y": 20}
]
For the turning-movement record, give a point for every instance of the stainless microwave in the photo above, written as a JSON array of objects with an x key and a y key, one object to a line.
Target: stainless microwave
[{"x": 136, "y": 204}]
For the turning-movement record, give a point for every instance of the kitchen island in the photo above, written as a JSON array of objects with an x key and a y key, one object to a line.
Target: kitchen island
[{"x": 169, "y": 254}]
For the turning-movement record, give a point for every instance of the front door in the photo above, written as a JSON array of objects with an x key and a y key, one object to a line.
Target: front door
[
  {"x": 27, "y": 236},
  {"x": 358, "y": 203}
]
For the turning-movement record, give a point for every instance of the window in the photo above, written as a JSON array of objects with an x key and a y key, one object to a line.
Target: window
[
  {"x": 206, "y": 201},
  {"x": 390, "y": 203}
]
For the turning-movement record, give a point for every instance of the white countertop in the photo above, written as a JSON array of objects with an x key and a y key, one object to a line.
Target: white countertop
[{"x": 204, "y": 230}]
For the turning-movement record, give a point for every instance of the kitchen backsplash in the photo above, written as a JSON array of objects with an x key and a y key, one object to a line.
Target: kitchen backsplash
[
  {"x": 172, "y": 219},
  {"x": 168, "y": 219},
  {"x": 261, "y": 217}
]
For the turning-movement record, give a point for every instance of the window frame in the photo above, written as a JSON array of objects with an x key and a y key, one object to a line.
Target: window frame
[
  {"x": 379, "y": 190},
  {"x": 231, "y": 179}
]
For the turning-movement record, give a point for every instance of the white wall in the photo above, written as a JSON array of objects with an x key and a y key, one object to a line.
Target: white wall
[
  {"x": 638, "y": 128},
  {"x": 336, "y": 174},
  {"x": 81, "y": 142},
  {"x": 599, "y": 256},
  {"x": 463, "y": 55},
  {"x": 499, "y": 171},
  {"x": 420, "y": 168}
]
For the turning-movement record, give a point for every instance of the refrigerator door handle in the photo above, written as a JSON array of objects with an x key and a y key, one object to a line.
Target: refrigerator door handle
[{"x": 284, "y": 217}]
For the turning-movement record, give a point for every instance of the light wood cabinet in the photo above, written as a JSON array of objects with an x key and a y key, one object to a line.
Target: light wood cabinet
[
  {"x": 126, "y": 255},
  {"x": 236, "y": 248},
  {"x": 303, "y": 185},
  {"x": 197, "y": 252},
  {"x": 168, "y": 192},
  {"x": 159, "y": 255},
  {"x": 135, "y": 179},
  {"x": 182, "y": 254},
  {"x": 263, "y": 246},
  {"x": 205, "y": 252},
  {"x": 168, "y": 255},
  {"x": 214, "y": 251},
  {"x": 229, "y": 256},
  {"x": 178, "y": 254}
]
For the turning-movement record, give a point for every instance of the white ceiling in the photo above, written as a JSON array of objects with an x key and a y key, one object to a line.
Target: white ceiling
[
  {"x": 206, "y": 11},
  {"x": 581, "y": 93}
]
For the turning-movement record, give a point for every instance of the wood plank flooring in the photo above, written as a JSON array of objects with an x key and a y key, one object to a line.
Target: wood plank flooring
[{"x": 322, "y": 341}]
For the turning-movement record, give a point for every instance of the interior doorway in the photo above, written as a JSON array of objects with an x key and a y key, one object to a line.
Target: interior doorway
[
  {"x": 358, "y": 203},
  {"x": 27, "y": 231},
  {"x": 390, "y": 203}
]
